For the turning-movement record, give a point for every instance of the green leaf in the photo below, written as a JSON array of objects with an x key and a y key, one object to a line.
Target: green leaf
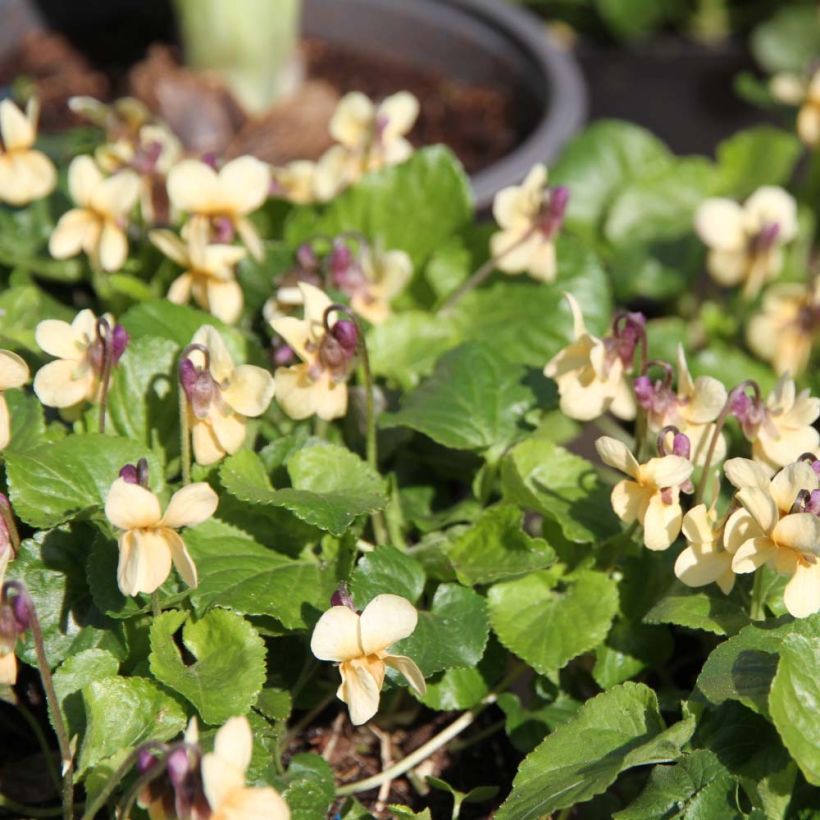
[
  {"x": 629, "y": 649},
  {"x": 228, "y": 667},
  {"x": 538, "y": 475},
  {"x": 240, "y": 574},
  {"x": 528, "y": 321},
  {"x": 123, "y": 712},
  {"x": 789, "y": 40},
  {"x": 548, "y": 622},
  {"x": 631, "y": 19},
  {"x": 387, "y": 570},
  {"x": 452, "y": 633},
  {"x": 697, "y": 787},
  {"x": 28, "y": 424},
  {"x": 707, "y": 609},
  {"x": 742, "y": 667},
  {"x": 794, "y": 701},
  {"x": 612, "y": 732},
  {"x": 473, "y": 401},
  {"x": 755, "y": 157},
  {"x": 73, "y": 675},
  {"x": 21, "y": 310},
  {"x": 142, "y": 403},
  {"x": 177, "y": 324},
  {"x": 405, "y": 348},
  {"x": 56, "y": 481},
  {"x": 496, "y": 547},
  {"x": 414, "y": 206},
  {"x": 527, "y": 727},
  {"x": 331, "y": 485},
  {"x": 455, "y": 689},
  {"x": 310, "y": 787},
  {"x": 599, "y": 163}
]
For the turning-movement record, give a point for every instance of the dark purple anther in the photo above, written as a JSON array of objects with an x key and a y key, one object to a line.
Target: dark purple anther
[
  {"x": 681, "y": 446},
  {"x": 342, "y": 597},
  {"x": 347, "y": 335},
  {"x": 119, "y": 341}
]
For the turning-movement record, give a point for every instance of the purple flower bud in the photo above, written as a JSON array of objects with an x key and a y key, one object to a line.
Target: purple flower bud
[
  {"x": 145, "y": 760},
  {"x": 629, "y": 329},
  {"x": 340, "y": 258},
  {"x": 210, "y": 159},
  {"x": 552, "y": 217},
  {"x": 347, "y": 335},
  {"x": 306, "y": 257},
  {"x": 8, "y": 630},
  {"x": 767, "y": 237},
  {"x": 119, "y": 341},
  {"x": 178, "y": 766},
  {"x": 681, "y": 445},
  {"x": 813, "y": 504},
  {"x": 740, "y": 404},
  {"x": 199, "y": 387},
  {"x": 283, "y": 355},
  {"x": 644, "y": 391},
  {"x": 342, "y": 597},
  {"x": 129, "y": 473},
  {"x": 16, "y": 598},
  {"x": 187, "y": 376},
  {"x": 5, "y": 537}
]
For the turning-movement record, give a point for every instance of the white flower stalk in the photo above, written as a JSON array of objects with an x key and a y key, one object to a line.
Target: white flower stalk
[
  {"x": 786, "y": 329},
  {"x": 360, "y": 644},
  {"x": 224, "y": 199},
  {"x": 221, "y": 396},
  {"x": 14, "y": 373},
  {"x": 591, "y": 372},
  {"x": 25, "y": 173},
  {"x": 327, "y": 348},
  {"x": 97, "y": 226},
  {"x": 529, "y": 216},
  {"x": 693, "y": 408},
  {"x": 705, "y": 560},
  {"x": 223, "y": 778},
  {"x": 745, "y": 241},
  {"x": 651, "y": 494},
  {"x": 209, "y": 275},
  {"x": 778, "y": 525},
  {"x": 369, "y": 137},
  {"x": 149, "y": 542}
]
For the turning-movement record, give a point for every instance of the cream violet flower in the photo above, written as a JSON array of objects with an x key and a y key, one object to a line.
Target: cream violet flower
[
  {"x": 787, "y": 327},
  {"x": 745, "y": 241},
  {"x": 9, "y": 626},
  {"x": 13, "y": 373},
  {"x": 704, "y": 560},
  {"x": 781, "y": 428},
  {"x": 295, "y": 182},
  {"x": 327, "y": 348},
  {"x": 209, "y": 272},
  {"x": 792, "y": 89},
  {"x": 651, "y": 493},
  {"x": 359, "y": 644},
  {"x": 779, "y": 525},
  {"x": 80, "y": 349},
  {"x": 369, "y": 137},
  {"x": 25, "y": 174},
  {"x": 372, "y": 278},
  {"x": 221, "y": 396},
  {"x": 692, "y": 409},
  {"x": 222, "y": 199},
  {"x": 97, "y": 226},
  {"x": 223, "y": 778},
  {"x": 591, "y": 372},
  {"x": 149, "y": 541},
  {"x": 529, "y": 215}
]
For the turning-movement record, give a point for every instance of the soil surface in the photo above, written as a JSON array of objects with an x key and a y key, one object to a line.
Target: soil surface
[{"x": 479, "y": 123}]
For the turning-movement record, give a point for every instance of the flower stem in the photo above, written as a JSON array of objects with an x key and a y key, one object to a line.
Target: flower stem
[
  {"x": 422, "y": 753},
  {"x": 704, "y": 478},
  {"x": 56, "y": 715},
  {"x": 184, "y": 437},
  {"x": 481, "y": 274},
  {"x": 156, "y": 609},
  {"x": 11, "y": 525},
  {"x": 104, "y": 334},
  {"x": 757, "y": 610}
]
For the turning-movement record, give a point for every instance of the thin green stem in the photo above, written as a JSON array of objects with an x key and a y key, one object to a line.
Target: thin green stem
[
  {"x": 156, "y": 609},
  {"x": 28, "y": 811},
  {"x": 184, "y": 437},
  {"x": 104, "y": 335},
  {"x": 56, "y": 715},
  {"x": 112, "y": 783},
  {"x": 705, "y": 477},
  {"x": 757, "y": 608}
]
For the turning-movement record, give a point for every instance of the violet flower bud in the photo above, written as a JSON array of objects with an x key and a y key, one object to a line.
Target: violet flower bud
[
  {"x": 681, "y": 445},
  {"x": 342, "y": 597},
  {"x": 19, "y": 601},
  {"x": 129, "y": 474},
  {"x": 553, "y": 216},
  {"x": 812, "y": 505},
  {"x": 340, "y": 258},
  {"x": 347, "y": 335},
  {"x": 145, "y": 760},
  {"x": 199, "y": 387},
  {"x": 767, "y": 237},
  {"x": 119, "y": 341},
  {"x": 8, "y": 630},
  {"x": 178, "y": 766},
  {"x": 644, "y": 391},
  {"x": 306, "y": 257}
]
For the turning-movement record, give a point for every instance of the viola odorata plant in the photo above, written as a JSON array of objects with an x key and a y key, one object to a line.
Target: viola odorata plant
[
  {"x": 209, "y": 276},
  {"x": 359, "y": 643},
  {"x": 746, "y": 241},
  {"x": 14, "y": 373},
  {"x": 327, "y": 346},
  {"x": 148, "y": 540},
  {"x": 220, "y": 396},
  {"x": 223, "y": 199},
  {"x": 26, "y": 174}
]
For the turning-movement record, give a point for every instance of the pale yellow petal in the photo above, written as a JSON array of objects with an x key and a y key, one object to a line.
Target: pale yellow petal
[
  {"x": 808, "y": 125},
  {"x": 64, "y": 383},
  {"x": 220, "y": 780},
  {"x": 144, "y": 563},
  {"x": 799, "y": 531},
  {"x": 771, "y": 205},
  {"x": 385, "y": 620},
  {"x": 220, "y": 362},
  {"x": 245, "y": 182},
  {"x": 229, "y": 430},
  {"x": 180, "y": 291},
  {"x": 802, "y": 594},
  {"x": 744, "y": 472},
  {"x": 207, "y": 449},
  {"x": 130, "y": 506},
  {"x": 172, "y": 246},
  {"x": 352, "y": 120},
  {"x": 225, "y": 300},
  {"x": 615, "y": 453},
  {"x": 628, "y": 500},
  {"x": 667, "y": 471},
  {"x": 193, "y": 187},
  {"x": 407, "y": 667},
  {"x": 740, "y": 528},
  {"x": 719, "y": 223},
  {"x": 261, "y": 803},
  {"x": 117, "y": 195},
  {"x": 16, "y": 128},
  {"x": 249, "y": 390},
  {"x": 296, "y": 332},
  {"x": 752, "y": 554},
  {"x": 706, "y": 400},
  {"x": 661, "y": 523},
  {"x": 8, "y": 669},
  {"x": 697, "y": 569},
  {"x": 727, "y": 268},
  {"x": 234, "y": 743},
  {"x": 83, "y": 178},
  {"x": 5, "y": 438},
  {"x": 698, "y": 525},
  {"x": 329, "y": 399},
  {"x": 113, "y": 249},
  {"x": 183, "y": 562},
  {"x": 787, "y": 484},
  {"x": 75, "y": 229},
  {"x": 400, "y": 111},
  {"x": 13, "y": 370},
  {"x": 760, "y": 505},
  {"x": 360, "y": 691},
  {"x": 316, "y": 303},
  {"x": 26, "y": 176},
  {"x": 190, "y": 506},
  {"x": 336, "y": 635}
]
